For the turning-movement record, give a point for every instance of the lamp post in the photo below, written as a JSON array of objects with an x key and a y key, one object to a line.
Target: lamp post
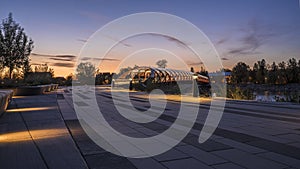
[{"x": 195, "y": 86}]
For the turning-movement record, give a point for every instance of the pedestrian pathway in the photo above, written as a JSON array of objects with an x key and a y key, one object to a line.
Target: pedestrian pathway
[{"x": 44, "y": 132}]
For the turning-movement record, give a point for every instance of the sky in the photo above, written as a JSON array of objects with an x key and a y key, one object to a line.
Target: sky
[{"x": 240, "y": 30}]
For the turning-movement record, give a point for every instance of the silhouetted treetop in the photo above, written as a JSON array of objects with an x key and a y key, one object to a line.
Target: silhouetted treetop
[{"x": 15, "y": 46}]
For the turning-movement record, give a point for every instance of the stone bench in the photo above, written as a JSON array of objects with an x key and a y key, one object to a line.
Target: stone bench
[
  {"x": 29, "y": 90},
  {"x": 5, "y": 98},
  {"x": 49, "y": 87},
  {"x": 34, "y": 90}
]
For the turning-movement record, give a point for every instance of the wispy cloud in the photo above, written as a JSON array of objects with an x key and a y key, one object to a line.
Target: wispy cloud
[
  {"x": 82, "y": 40},
  {"x": 224, "y": 58},
  {"x": 195, "y": 63},
  {"x": 85, "y": 58},
  {"x": 172, "y": 39},
  {"x": 37, "y": 54},
  {"x": 62, "y": 59},
  {"x": 56, "y": 57},
  {"x": 201, "y": 63},
  {"x": 255, "y": 34},
  {"x": 222, "y": 41},
  {"x": 98, "y": 59},
  {"x": 70, "y": 57},
  {"x": 169, "y": 38},
  {"x": 117, "y": 40},
  {"x": 59, "y": 64}
]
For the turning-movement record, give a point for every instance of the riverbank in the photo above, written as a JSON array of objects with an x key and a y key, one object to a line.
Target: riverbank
[{"x": 265, "y": 92}]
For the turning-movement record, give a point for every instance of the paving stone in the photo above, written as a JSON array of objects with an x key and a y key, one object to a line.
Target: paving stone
[
  {"x": 248, "y": 160},
  {"x": 263, "y": 130},
  {"x": 274, "y": 138},
  {"x": 125, "y": 130},
  {"x": 81, "y": 104},
  {"x": 136, "y": 134},
  {"x": 292, "y": 137},
  {"x": 11, "y": 117},
  {"x": 277, "y": 148},
  {"x": 147, "y": 132},
  {"x": 88, "y": 147},
  {"x": 47, "y": 128},
  {"x": 20, "y": 155},
  {"x": 281, "y": 159},
  {"x": 241, "y": 146},
  {"x": 76, "y": 130},
  {"x": 240, "y": 137},
  {"x": 42, "y": 115},
  {"x": 108, "y": 161},
  {"x": 208, "y": 146},
  {"x": 203, "y": 156},
  {"x": 189, "y": 163},
  {"x": 61, "y": 152},
  {"x": 297, "y": 145},
  {"x": 15, "y": 131},
  {"x": 237, "y": 143},
  {"x": 66, "y": 110},
  {"x": 146, "y": 163},
  {"x": 170, "y": 155},
  {"x": 215, "y": 137},
  {"x": 155, "y": 126},
  {"x": 227, "y": 166},
  {"x": 181, "y": 144}
]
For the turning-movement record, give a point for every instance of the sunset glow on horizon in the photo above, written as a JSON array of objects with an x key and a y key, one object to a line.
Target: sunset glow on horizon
[{"x": 245, "y": 31}]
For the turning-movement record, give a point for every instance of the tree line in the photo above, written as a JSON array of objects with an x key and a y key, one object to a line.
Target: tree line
[
  {"x": 15, "y": 48},
  {"x": 264, "y": 73}
]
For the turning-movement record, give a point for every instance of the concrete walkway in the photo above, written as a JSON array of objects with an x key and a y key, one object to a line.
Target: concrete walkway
[
  {"x": 33, "y": 135},
  {"x": 43, "y": 132}
]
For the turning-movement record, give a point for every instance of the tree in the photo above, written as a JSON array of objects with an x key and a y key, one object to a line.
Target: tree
[
  {"x": 85, "y": 72},
  {"x": 44, "y": 68},
  {"x": 299, "y": 71},
  {"x": 192, "y": 69},
  {"x": 51, "y": 71},
  {"x": 240, "y": 73},
  {"x": 15, "y": 46},
  {"x": 69, "y": 79},
  {"x": 162, "y": 63},
  {"x": 273, "y": 74},
  {"x": 203, "y": 71},
  {"x": 41, "y": 68},
  {"x": 292, "y": 71},
  {"x": 261, "y": 72},
  {"x": 253, "y": 72},
  {"x": 124, "y": 72},
  {"x": 282, "y": 73}
]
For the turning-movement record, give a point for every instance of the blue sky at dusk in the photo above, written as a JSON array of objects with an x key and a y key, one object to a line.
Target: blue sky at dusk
[{"x": 241, "y": 30}]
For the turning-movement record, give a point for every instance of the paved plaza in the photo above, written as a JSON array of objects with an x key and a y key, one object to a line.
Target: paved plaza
[{"x": 43, "y": 132}]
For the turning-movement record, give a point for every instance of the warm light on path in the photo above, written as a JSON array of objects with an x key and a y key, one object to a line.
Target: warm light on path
[
  {"x": 33, "y": 134},
  {"x": 30, "y": 109}
]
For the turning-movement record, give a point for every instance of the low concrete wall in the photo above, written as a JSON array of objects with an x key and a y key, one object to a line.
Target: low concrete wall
[
  {"x": 49, "y": 87},
  {"x": 29, "y": 90},
  {"x": 5, "y": 98},
  {"x": 34, "y": 90}
]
